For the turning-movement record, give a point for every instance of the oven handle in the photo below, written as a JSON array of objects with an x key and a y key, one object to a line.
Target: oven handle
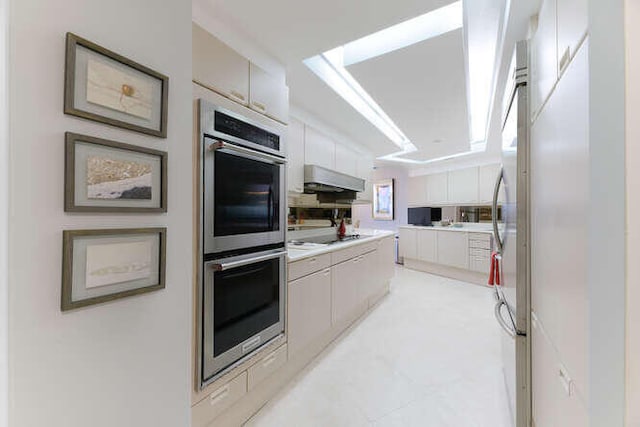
[
  {"x": 223, "y": 266},
  {"x": 219, "y": 145}
]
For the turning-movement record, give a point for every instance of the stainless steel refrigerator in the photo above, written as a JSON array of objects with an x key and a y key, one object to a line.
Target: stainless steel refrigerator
[{"x": 512, "y": 237}]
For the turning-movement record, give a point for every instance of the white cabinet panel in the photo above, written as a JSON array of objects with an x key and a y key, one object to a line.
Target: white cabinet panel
[
  {"x": 544, "y": 56},
  {"x": 344, "y": 290},
  {"x": 453, "y": 249},
  {"x": 295, "y": 149},
  {"x": 463, "y": 186},
  {"x": 266, "y": 367},
  {"x": 346, "y": 160},
  {"x": 364, "y": 166},
  {"x": 487, "y": 176},
  {"x": 572, "y": 26},
  {"x": 386, "y": 261},
  {"x": 427, "y": 249},
  {"x": 437, "y": 188},
  {"x": 319, "y": 149},
  {"x": 308, "y": 309},
  {"x": 218, "y": 67},
  {"x": 417, "y": 190},
  {"x": 368, "y": 279},
  {"x": 268, "y": 95},
  {"x": 408, "y": 243}
]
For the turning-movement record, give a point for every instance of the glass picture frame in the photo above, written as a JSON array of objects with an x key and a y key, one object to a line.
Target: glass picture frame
[
  {"x": 106, "y": 87},
  {"x": 108, "y": 264},
  {"x": 109, "y": 176},
  {"x": 383, "y": 200}
]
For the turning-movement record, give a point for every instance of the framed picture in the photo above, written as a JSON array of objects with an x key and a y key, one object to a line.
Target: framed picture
[
  {"x": 103, "y": 86},
  {"x": 105, "y": 265},
  {"x": 383, "y": 200},
  {"x": 109, "y": 176}
]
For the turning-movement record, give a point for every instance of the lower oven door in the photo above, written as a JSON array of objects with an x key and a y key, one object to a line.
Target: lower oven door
[{"x": 243, "y": 307}]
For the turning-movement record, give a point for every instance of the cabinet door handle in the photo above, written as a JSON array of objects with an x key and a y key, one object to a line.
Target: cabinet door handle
[
  {"x": 564, "y": 60},
  {"x": 259, "y": 106},
  {"x": 326, "y": 272},
  {"x": 268, "y": 361},
  {"x": 219, "y": 395},
  {"x": 238, "y": 95},
  {"x": 312, "y": 260}
]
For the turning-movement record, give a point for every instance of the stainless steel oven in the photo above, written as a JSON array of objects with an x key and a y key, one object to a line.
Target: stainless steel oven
[
  {"x": 244, "y": 186},
  {"x": 243, "y": 307}
]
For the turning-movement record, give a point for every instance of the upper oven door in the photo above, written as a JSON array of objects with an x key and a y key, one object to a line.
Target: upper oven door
[{"x": 244, "y": 197}]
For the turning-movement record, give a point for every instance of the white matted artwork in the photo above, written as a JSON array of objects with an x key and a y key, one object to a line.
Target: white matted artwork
[
  {"x": 104, "y": 265},
  {"x": 383, "y": 200},
  {"x": 106, "y": 87}
]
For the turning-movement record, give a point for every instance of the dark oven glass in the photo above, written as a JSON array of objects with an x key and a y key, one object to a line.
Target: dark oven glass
[
  {"x": 247, "y": 195},
  {"x": 246, "y": 301}
]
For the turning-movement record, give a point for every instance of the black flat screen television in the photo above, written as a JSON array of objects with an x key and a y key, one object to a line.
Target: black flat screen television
[{"x": 424, "y": 216}]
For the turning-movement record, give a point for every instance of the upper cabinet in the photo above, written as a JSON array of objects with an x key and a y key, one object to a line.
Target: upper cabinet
[
  {"x": 319, "y": 149},
  {"x": 218, "y": 67},
  {"x": 364, "y": 169},
  {"x": 463, "y": 185},
  {"x": 295, "y": 146},
  {"x": 544, "y": 56},
  {"x": 572, "y": 21},
  {"x": 268, "y": 95},
  {"x": 437, "y": 188},
  {"x": 346, "y": 160},
  {"x": 487, "y": 176},
  {"x": 417, "y": 190}
]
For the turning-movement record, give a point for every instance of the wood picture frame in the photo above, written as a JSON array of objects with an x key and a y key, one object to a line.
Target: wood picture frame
[
  {"x": 383, "y": 200},
  {"x": 90, "y": 270},
  {"x": 109, "y": 176},
  {"x": 106, "y": 87}
]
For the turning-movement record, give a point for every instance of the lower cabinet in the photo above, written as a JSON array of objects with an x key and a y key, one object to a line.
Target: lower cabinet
[
  {"x": 308, "y": 309},
  {"x": 385, "y": 263},
  {"x": 408, "y": 243},
  {"x": 345, "y": 289},
  {"x": 453, "y": 249},
  {"x": 426, "y": 246}
]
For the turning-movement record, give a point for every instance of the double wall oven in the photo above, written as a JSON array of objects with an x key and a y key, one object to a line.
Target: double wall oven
[{"x": 242, "y": 229}]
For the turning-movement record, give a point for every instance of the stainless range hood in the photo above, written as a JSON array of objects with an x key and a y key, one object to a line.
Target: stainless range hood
[{"x": 322, "y": 180}]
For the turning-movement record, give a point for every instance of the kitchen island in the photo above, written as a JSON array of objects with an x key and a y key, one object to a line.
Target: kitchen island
[
  {"x": 462, "y": 253},
  {"x": 329, "y": 288}
]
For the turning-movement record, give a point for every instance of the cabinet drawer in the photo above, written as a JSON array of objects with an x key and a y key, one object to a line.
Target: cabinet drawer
[
  {"x": 219, "y": 400},
  {"x": 479, "y": 264},
  {"x": 352, "y": 252},
  {"x": 480, "y": 252},
  {"x": 307, "y": 266},
  {"x": 267, "y": 366}
]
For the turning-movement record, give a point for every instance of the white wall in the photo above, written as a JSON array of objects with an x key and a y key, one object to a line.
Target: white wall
[
  {"x": 364, "y": 212},
  {"x": 124, "y": 363},
  {"x": 4, "y": 213},
  {"x": 632, "y": 17},
  {"x": 606, "y": 272}
]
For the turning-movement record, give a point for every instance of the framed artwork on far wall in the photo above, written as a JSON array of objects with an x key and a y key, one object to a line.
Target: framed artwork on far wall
[
  {"x": 109, "y": 176},
  {"x": 106, "y": 87},
  {"x": 108, "y": 264},
  {"x": 383, "y": 200}
]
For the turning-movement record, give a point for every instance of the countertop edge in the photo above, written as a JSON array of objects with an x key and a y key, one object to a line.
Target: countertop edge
[{"x": 380, "y": 234}]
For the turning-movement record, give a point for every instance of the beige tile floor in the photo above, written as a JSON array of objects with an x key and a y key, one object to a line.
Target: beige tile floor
[{"x": 428, "y": 355}]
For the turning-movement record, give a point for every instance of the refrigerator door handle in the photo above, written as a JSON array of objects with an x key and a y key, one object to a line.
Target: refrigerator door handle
[
  {"x": 497, "y": 311},
  {"x": 494, "y": 210}
]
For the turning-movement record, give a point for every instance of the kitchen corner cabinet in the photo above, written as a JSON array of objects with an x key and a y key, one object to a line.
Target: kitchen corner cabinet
[
  {"x": 295, "y": 155},
  {"x": 463, "y": 185},
  {"x": 453, "y": 249},
  {"x": 309, "y": 309},
  {"x": 268, "y": 95},
  {"x": 319, "y": 149},
  {"x": 218, "y": 67}
]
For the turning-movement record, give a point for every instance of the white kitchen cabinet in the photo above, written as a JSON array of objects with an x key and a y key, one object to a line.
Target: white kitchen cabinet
[
  {"x": 572, "y": 27},
  {"x": 487, "y": 176},
  {"x": 295, "y": 150},
  {"x": 436, "y": 189},
  {"x": 426, "y": 244},
  {"x": 218, "y": 67},
  {"x": 345, "y": 292},
  {"x": 319, "y": 149},
  {"x": 544, "y": 56},
  {"x": 417, "y": 191},
  {"x": 453, "y": 248},
  {"x": 308, "y": 309},
  {"x": 463, "y": 186},
  {"x": 368, "y": 279},
  {"x": 364, "y": 170},
  {"x": 408, "y": 243},
  {"x": 386, "y": 259},
  {"x": 268, "y": 95},
  {"x": 346, "y": 160}
]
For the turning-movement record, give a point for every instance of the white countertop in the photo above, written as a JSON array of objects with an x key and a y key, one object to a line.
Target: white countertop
[
  {"x": 365, "y": 236},
  {"x": 469, "y": 228}
]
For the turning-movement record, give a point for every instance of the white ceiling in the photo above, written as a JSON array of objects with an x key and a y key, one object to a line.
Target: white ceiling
[{"x": 421, "y": 87}]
